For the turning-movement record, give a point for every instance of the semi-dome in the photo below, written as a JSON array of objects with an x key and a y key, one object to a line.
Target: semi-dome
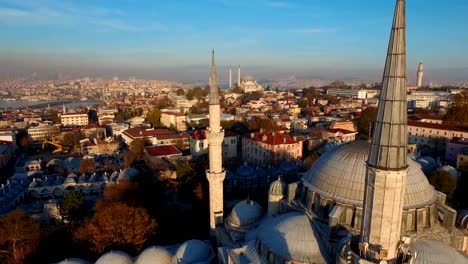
[
  {"x": 154, "y": 255},
  {"x": 435, "y": 252},
  {"x": 290, "y": 237},
  {"x": 277, "y": 188},
  {"x": 340, "y": 175},
  {"x": 127, "y": 174},
  {"x": 245, "y": 170},
  {"x": 73, "y": 261},
  {"x": 115, "y": 257},
  {"x": 192, "y": 251},
  {"x": 245, "y": 213}
]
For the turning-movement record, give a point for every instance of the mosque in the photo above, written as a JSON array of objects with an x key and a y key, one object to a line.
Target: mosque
[{"x": 362, "y": 202}]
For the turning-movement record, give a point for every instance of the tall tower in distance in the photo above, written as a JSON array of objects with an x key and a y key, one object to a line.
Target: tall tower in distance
[
  {"x": 215, "y": 135},
  {"x": 238, "y": 76},
  {"x": 386, "y": 167},
  {"x": 230, "y": 78},
  {"x": 420, "y": 75}
]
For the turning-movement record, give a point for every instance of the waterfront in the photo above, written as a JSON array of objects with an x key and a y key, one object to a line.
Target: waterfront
[{"x": 68, "y": 104}]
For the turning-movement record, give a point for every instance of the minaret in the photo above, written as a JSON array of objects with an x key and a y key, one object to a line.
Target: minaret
[
  {"x": 215, "y": 135},
  {"x": 386, "y": 166},
  {"x": 64, "y": 109},
  {"x": 230, "y": 78},
  {"x": 238, "y": 76},
  {"x": 420, "y": 75}
]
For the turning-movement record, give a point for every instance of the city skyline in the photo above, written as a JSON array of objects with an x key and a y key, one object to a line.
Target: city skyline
[{"x": 272, "y": 39}]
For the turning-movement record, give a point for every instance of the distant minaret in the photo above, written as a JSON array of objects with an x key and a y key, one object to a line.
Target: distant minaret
[
  {"x": 230, "y": 78},
  {"x": 215, "y": 135},
  {"x": 386, "y": 167},
  {"x": 420, "y": 75},
  {"x": 238, "y": 76},
  {"x": 64, "y": 109}
]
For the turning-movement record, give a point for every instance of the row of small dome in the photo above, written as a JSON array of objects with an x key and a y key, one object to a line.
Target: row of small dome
[
  {"x": 10, "y": 193},
  {"x": 246, "y": 170},
  {"x": 72, "y": 178},
  {"x": 190, "y": 252}
]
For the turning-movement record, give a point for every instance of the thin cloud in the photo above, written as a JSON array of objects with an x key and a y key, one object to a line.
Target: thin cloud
[{"x": 66, "y": 14}]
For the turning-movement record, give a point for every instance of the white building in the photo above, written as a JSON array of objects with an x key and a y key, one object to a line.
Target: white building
[
  {"x": 427, "y": 99},
  {"x": 249, "y": 85},
  {"x": 43, "y": 132},
  {"x": 74, "y": 119},
  {"x": 199, "y": 144}
]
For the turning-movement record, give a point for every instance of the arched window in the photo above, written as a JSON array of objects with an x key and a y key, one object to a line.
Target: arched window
[{"x": 409, "y": 222}]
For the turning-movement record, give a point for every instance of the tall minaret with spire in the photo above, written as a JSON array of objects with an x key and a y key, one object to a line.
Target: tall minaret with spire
[
  {"x": 230, "y": 78},
  {"x": 387, "y": 163},
  {"x": 238, "y": 76},
  {"x": 215, "y": 135},
  {"x": 420, "y": 75}
]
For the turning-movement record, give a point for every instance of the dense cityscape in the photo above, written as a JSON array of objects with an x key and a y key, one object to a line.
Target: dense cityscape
[{"x": 238, "y": 168}]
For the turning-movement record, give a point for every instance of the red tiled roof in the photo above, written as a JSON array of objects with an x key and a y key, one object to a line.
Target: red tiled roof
[
  {"x": 437, "y": 126},
  {"x": 273, "y": 138},
  {"x": 142, "y": 132},
  {"x": 173, "y": 136},
  {"x": 164, "y": 150}
]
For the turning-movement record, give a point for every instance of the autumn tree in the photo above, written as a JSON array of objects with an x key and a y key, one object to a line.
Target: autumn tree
[
  {"x": 72, "y": 207},
  {"x": 367, "y": 120},
  {"x": 302, "y": 103},
  {"x": 457, "y": 113},
  {"x": 129, "y": 158},
  {"x": 19, "y": 236},
  {"x": 118, "y": 226},
  {"x": 180, "y": 92},
  {"x": 138, "y": 145},
  {"x": 71, "y": 139},
  {"x": 443, "y": 182},
  {"x": 154, "y": 117},
  {"x": 87, "y": 166},
  {"x": 125, "y": 192}
]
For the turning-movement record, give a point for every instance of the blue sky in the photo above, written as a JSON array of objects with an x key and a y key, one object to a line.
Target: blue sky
[{"x": 279, "y": 37}]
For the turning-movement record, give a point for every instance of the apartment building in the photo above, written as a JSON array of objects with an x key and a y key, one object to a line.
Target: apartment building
[{"x": 74, "y": 119}]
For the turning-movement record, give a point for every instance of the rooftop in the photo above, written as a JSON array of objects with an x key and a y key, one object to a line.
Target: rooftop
[
  {"x": 163, "y": 150},
  {"x": 273, "y": 138},
  {"x": 437, "y": 126},
  {"x": 144, "y": 132}
]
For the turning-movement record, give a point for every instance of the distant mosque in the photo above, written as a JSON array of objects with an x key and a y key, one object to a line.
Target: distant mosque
[{"x": 362, "y": 202}]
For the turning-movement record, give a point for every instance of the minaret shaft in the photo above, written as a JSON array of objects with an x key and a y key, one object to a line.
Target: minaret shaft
[
  {"x": 387, "y": 162},
  {"x": 238, "y": 76},
  {"x": 230, "y": 78},
  {"x": 420, "y": 75},
  {"x": 215, "y": 135}
]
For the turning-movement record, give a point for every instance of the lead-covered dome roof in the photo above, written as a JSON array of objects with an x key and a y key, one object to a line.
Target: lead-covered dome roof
[
  {"x": 435, "y": 252},
  {"x": 192, "y": 251},
  {"x": 154, "y": 255},
  {"x": 291, "y": 236},
  {"x": 115, "y": 257},
  {"x": 340, "y": 175},
  {"x": 245, "y": 213}
]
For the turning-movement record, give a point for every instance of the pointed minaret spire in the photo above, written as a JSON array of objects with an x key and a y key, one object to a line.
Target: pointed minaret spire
[
  {"x": 214, "y": 91},
  {"x": 215, "y": 135},
  {"x": 387, "y": 161}
]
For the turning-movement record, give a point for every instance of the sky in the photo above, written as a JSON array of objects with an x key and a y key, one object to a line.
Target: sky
[{"x": 276, "y": 39}]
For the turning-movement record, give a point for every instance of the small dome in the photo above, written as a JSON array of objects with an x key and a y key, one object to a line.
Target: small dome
[
  {"x": 435, "y": 252},
  {"x": 245, "y": 213},
  {"x": 34, "y": 184},
  {"x": 288, "y": 166},
  {"x": 278, "y": 188},
  {"x": 428, "y": 164},
  {"x": 115, "y": 257},
  {"x": 450, "y": 170},
  {"x": 73, "y": 261},
  {"x": 70, "y": 180},
  {"x": 192, "y": 251},
  {"x": 291, "y": 237},
  {"x": 54, "y": 162},
  {"x": 154, "y": 255},
  {"x": 245, "y": 170},
  {"x": 462, "y": 219},
  {"x": 127, "y": 174}
]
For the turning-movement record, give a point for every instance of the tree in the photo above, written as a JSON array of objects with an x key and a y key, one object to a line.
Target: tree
[
  {"x": 457, "y": 113},
  {"x": 309, "y": 93},
  {"x": 72, "y": 207},
  {"x": 19, "y": 236},
  {"x": 180, "y": 92},
  {"x": 71, "y": 139},
  {"x": 87, "y": 166},
  {"x": 138, "y": 145},
  {"x": 184, "y": 172},
  {"x": 237, "y": 90},
  {"x": 129, "y": 158},
  {"x": 154, "y": 117},
  {"x": 444, "y": 182},
  {"x": 367, "y": 120},
  {"x": 189, "y": 95},
  {"x": 125, "y": 192},
  {"x": 302, "y": 103},
  {"x": 118, "y": 226}
]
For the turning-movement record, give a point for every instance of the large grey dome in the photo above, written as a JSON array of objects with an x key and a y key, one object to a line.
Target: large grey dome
[
  {"x": 192, "y": 251},
  {"x": 154, "y": 255},
  {"x": 435, "y": 252},
  {"x": 340, "y": 175},
  {"x": 245, "y": 213},
  {"x": 115, "y": 257},
  {"x": 291, "y": 237}
]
